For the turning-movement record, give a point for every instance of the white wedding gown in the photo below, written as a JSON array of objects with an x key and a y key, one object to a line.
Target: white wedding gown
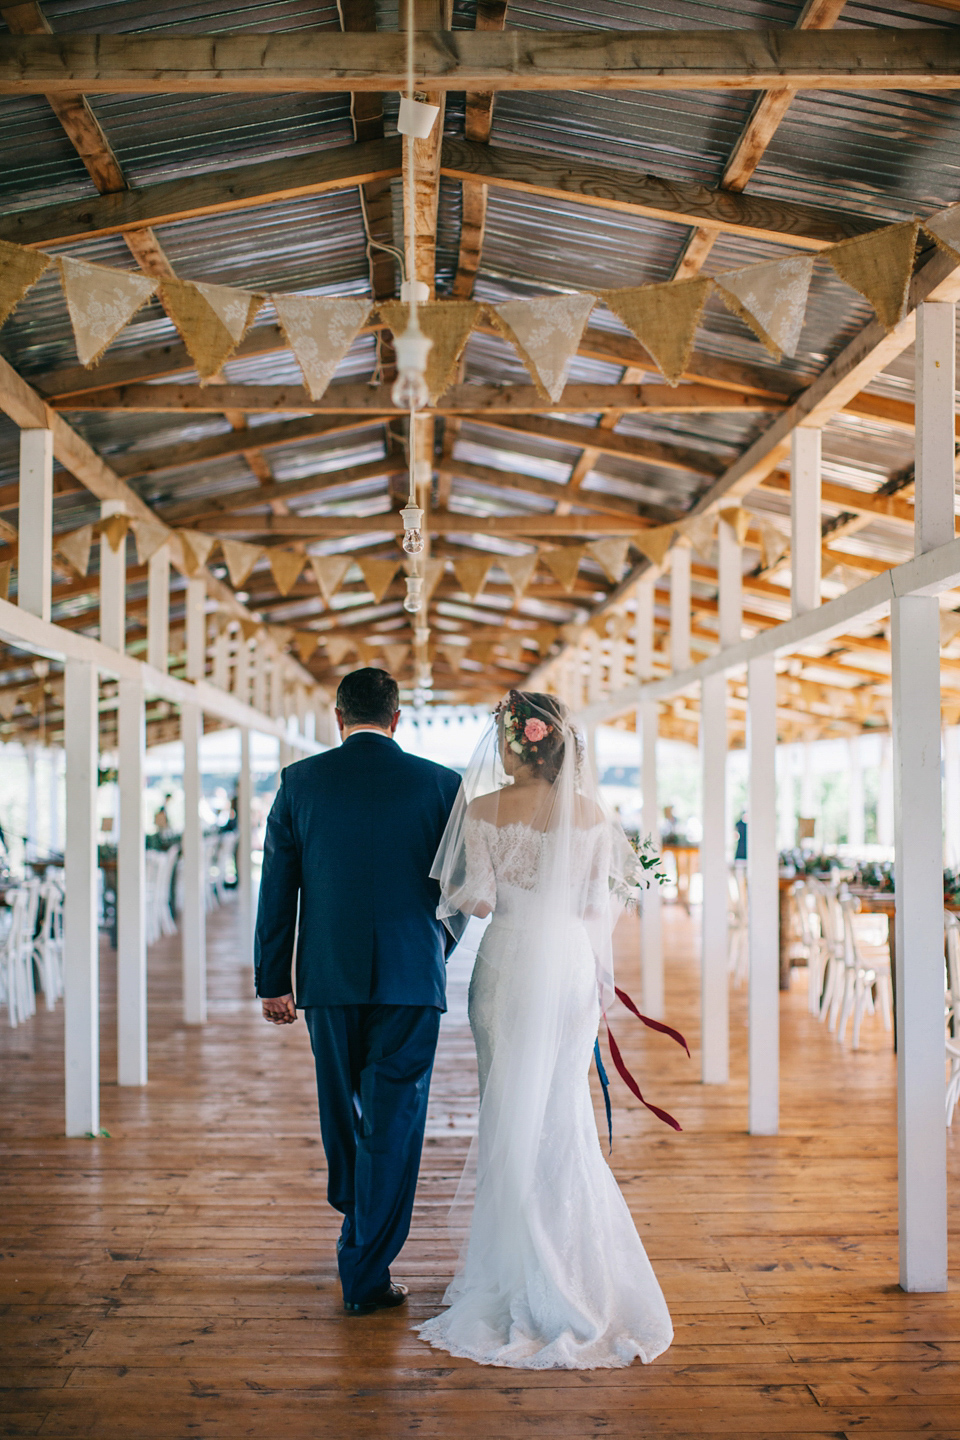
[{"x": 553, "y": 1274}]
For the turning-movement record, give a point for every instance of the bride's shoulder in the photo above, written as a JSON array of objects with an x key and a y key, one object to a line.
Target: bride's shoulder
[
  {"x": 484, "y": 807},
  {"x": 588, "y": 813}
]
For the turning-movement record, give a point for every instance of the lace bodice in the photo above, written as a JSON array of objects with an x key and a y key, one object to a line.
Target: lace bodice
[{"x": 504, "y": 864}]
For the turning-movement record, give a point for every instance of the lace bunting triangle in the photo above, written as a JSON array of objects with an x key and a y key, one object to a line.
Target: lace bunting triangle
[
  {"x": 772, "y": 299},
  {"x": 240, "y": 559},
  {"x": 547, "y": 331},
  {"x": 319, "y": 331},
  {"x": 212, "y": 320},
  {"x": 328, "y": 571},
  {"x": 100, "y": 302}
]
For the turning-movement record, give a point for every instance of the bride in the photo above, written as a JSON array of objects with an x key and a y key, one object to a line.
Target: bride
[{"x": 553, "y": 1273}]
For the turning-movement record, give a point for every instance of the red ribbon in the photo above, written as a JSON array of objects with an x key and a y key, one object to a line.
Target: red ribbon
[
  {"x": 624, "y": 999},
  {"x": 621, "y": 1068}
]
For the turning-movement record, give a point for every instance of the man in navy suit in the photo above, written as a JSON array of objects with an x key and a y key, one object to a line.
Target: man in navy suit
[{"x": 351, "y": 836}]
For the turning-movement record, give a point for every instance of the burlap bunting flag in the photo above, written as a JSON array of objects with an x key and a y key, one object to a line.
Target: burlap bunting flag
[
  {"x": 547, "y": 331},
  {"x": 75, "y": 548},
  {"x": 432, "y": 571},
  {"x": 611, "y": 556},
  {"x": 115, "y": 529},
  {"x": 378, "y": 576},
  {"x": 281, "y": 635},
  {"x": 448, "y": 324},
  {"x": 100, "y": 302},
  {"x": 394, "y": 657},
  {"x": 482, "y": 651},
  {"x": 471, "y": 572},
  {"x": 19, "y": 269},
  {"x": 519, "y": 570},
  {"x": 319, "y": 331},
  {"x": 212, "y": 320},
  {"x": 664, "y": 318},
  {"x": 564, "y": 564},
  {"x": 240, "y": 560},
  {"x": 572, "y": 633},
  {"x": 197, "y": 548},
  {"x": 944, "y": 228},
  {"x": 739, "y": 521},
  {"x": 452, "y": 653},
  {"x": 306, "y": 641},
  {"x": 249, "y": 628},
  {"x": 700, "y": 531},
  {"x": 879, "y": 265},
  {"x": 328, "y": 571},
  {"x": 772, "y": 299},
  {"x": 774, "y": 544},
  {"x": 544, "y": 635},
  {"x": 286, "y": 566},
  {"x": 338, "y": 648},
  {"x": 149, "y": 536},
  {"x": 949, "y": 626},
  {"x": 512, "y": 645},
  {"x": 655, "y": 543},
  {"x": 5, "y": 567}
]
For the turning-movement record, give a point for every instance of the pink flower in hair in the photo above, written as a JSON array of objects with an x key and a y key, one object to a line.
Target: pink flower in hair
[{"x": 535, "y": 730}]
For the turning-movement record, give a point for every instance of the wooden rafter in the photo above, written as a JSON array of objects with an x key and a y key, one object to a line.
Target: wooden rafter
[
  {"x": 376, "y": 197},
  {"x": 478, "y": 121}
]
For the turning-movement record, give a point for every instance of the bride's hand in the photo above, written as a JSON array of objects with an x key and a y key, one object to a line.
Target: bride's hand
[{"x": 280, "y": 1011}]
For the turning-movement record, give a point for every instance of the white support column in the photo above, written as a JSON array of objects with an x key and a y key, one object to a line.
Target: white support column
[
  {"x": 808, "y": 782},
  {"x": 276, "y": 686},
  {"x": 158, "y": 609},
  {"x": 730, "y": 583},
  {"x": 220, "y": 675},
  {"x": 915, "y": 641},
  {"x": 81, "y": 974},
  {"x": 30, "y": 846},
  {"x": 113, "y": 583},
  {"x": 193, "y": 919},
  {"x": 935, "y": 385},
  {"x": 35, "y": 540},
  {"x": 805, "y": 520},
  {"x": 714, "y": 998},
  {"x": 951, "y": 796},
  {"x": 786, "y": 819},
  {"x": 763, "y": 899},
  {"x": 594, "y": 667},
  {"x": 651, "y": 927},
  {"x": 53, "y": 760},
  {"x": 644, "y": 627},
  {"x": 131, "y": 889},
  {"x": 680, "y": 608},
  {"x": 241, "y": 670},
  {"x": 885, "y": 829},
  {"x": 196, "y": 629},
  {"x": 260, "y": 679},
  {"x": 244, "y": 845},
  {"x": 856, "y": 820}
]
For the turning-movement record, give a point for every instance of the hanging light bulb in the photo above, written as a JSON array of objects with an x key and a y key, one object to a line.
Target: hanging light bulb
[
  {"x": 412, "y": 348},
  {"x": 412, "y": 517},
  {"x": 414, "y": 596}
]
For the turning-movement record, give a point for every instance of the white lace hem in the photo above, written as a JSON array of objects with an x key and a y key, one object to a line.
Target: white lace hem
[{"x": 522, "y": 1352}]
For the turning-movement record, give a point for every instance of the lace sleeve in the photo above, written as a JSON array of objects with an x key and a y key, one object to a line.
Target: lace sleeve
[
  {"x": 479, "y": 882},
  {"x": 598, "y": 883}
]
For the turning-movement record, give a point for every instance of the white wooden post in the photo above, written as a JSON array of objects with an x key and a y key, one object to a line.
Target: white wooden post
[
  {"x": 193, "y": 918},
  {"x": 715, "y": 1045},
  {"x": 730, "y": 584},
  {"x": 856, "y": 828},
  {"x": 158, "y": 609},
  {"x": 644, "y": 626},
  {"x": 805, "y": 520},
  {"x": 651, "y": 923},
  {"x": 786, "y": 818},
  {"x": 221, "y": 660},
  {"x": 131, "y": 889},
  {"x": 53, "y": 760},
  {"x": 113, "y": 583},
  {"x": 918, "y": 823},
  {"x": 260, "y": 679},
  {"x": 244, "y": 844},
  {"x": 680, "y": 608},
  {"x": 242, "y": 669},
  {"x": 35, "y": 540},
  {"x": 951, "y": 796},
  {"x": 81, "y": 972},
  {"x": 885, "y": 829},
  {"x": 276, "y": 686},
  {"x": 808, "y": 782},
  {"x": 30, "y": 839},
  {"x": 196, "y": 629},
  {"x": 763, "y": 900}
]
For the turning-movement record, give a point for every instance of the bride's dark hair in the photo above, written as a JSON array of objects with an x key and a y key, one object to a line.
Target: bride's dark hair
[{"x": 545, "y": 747}]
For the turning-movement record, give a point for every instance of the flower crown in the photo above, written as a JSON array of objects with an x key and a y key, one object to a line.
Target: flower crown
[{"x": 523, "y": 730}]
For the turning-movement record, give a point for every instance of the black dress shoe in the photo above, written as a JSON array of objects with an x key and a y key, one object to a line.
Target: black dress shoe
[{"x": 390, "y": 1298}]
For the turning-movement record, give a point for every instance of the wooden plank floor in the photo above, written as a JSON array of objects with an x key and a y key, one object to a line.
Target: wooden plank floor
[{"x": 178, "y": 1279}]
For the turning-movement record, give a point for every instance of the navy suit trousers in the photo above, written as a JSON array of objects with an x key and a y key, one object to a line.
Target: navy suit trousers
[{"x": 373, "y": 1067}]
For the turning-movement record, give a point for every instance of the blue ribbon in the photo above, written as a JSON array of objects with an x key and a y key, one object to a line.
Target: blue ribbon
[{"x": 605, "y": 1084}]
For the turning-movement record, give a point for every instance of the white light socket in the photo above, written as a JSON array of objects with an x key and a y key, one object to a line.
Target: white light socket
[
  {"x": 416, "y": 118},
  {"x": 415, "y": 290}
]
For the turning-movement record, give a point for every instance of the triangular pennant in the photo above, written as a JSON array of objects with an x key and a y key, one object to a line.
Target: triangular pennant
[
  {"x": 564, "y": 564},
  {"x": 211, "y": 319},
  {"x": 394, "y": 657},
  {"x": 739, "y": 521},
  {"x": 471, "y": 572},
  {"x": 320, "y": 331},
  {"x": 5, "y": 567},
  {"x": 448, "y": 324},
  {"x": 519, "y": 569},
  {"x": 700, "y": 531},
  {"x": 75, "y": 548},
  {"x": 338, "y": 647},
  {"x": 115, "y": 528},
  {"x": 366, "y": 654},
  {"x": 452, "y": 653},
  {"x": 879, "y": 265},
  {"x": 9, "y": 700},
  {"x": 100, "y": 302},
  {"x": 944, "y": 227},
  {"x": 199, "y": 546},
  {"x": 482, "y": 651},
  {"x": 774, "y": 544},
  {"x": 378, "y": 576},
  {"x": 149, "y": 535},
  {"x": 240, "y": 559},
  {"x": 19, "y": 269},
  {"x": 306, "y": 641},
  {"x": 655, "y": 543},
  {"x": 949, "y": 626},
  {"x": 611, "y": 556},
  {"x": 328, "y": 571},
  {"x": 281, "y": 635},
  {"x": 547, "y": 331},
  {"x": 664, "y": 318},
  {"x": 512, "y": 645},
  {"x": 772, "y": 299},
  {"x": 544, "y": 635},
  {"x": 287, "y": 566},
  {"x": 433, "y": 571},
  {"x": 249, "y": 628}
]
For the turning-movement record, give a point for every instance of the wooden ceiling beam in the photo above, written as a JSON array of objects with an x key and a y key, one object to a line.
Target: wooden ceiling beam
[
  {"x": 326, "y": 62},
  {"x": 608, "y": 442},
  {"x": 312, "y": 527},
  {"x": 478, "y": 122}
]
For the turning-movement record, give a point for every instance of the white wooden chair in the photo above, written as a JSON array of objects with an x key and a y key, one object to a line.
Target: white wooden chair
[
  {"x": 48, "y": 945},
  {"x": 867, "y": 965},
  {"x": 952, "y": 923},
  {"x": 833, "y": 949},
  {"x": 16, "y": 956},
  {"x": 225, "y": 863},
  {"x": 211, "y": 845},
  {"x": 807, "y": 942}
]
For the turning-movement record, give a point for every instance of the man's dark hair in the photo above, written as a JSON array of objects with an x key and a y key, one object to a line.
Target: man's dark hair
[{"x": 368, "y": 697}]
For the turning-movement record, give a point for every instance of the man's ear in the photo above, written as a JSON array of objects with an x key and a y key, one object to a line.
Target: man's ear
[
  {"x": 394, "y": 722},
  {"x": 339, "y": 720}
]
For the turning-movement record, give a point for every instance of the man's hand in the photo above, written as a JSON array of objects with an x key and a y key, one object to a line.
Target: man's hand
[{"x": 280, "y": 1011}]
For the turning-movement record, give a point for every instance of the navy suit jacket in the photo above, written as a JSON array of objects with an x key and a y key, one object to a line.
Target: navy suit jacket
[{"x": 353, "y": 833}]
